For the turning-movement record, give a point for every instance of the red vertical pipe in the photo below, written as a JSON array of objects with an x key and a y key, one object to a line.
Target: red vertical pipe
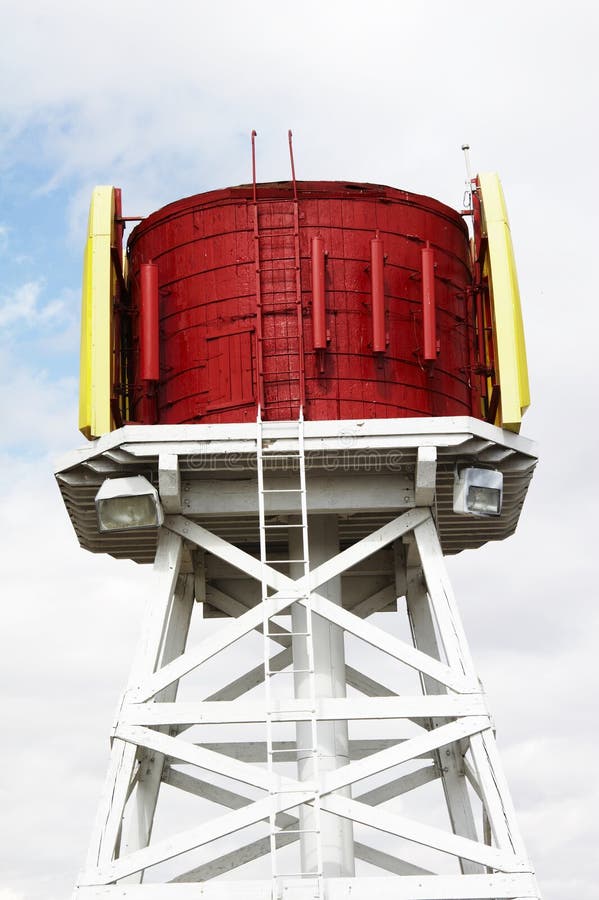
[
  {"x": 377, "y": 277},
  {"x": 428, "y": 304},
  {"x": 149, "y": 323},
  {"x": 319, "y": 330}
]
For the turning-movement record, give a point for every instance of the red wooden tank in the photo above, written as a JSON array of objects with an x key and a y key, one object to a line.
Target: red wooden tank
[{"x": 351, "y": 300}]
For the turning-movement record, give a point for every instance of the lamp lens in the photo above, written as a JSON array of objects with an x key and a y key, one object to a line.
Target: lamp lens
[
  {"x": 484, "y": 500},
  {"x": 117, "y": 513}
]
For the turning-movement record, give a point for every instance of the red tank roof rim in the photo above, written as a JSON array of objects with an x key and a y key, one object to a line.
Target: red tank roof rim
[{"x": 273, "y": 190}]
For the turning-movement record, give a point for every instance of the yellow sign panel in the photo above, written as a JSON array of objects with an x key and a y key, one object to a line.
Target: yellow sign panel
[
  {"x": 95, "y": 379},
  {"x": 508, "y": 329}
]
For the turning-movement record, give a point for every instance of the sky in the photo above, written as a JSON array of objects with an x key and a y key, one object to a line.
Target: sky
[{"x": 161, "y": 101}]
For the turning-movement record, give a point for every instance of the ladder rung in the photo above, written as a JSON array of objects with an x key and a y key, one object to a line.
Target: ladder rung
[
  {"x": 297, "y": 490},
  {"x": 282, "y": 526},
  {"x": 287, "y": 671},
  {"x": 274, "y": 562},
  {"x": 295, "y": 750},
  {"x": 288, "y": 634},
  {"x": 307, "y": 789},
  {"x": 297, "y": 831},
  {"x": 299, "y": 874}
]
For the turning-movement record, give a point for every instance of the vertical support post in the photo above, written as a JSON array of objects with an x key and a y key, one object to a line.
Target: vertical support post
[
  {"x": 336, "y": 834},
  {"x": 169, "y": 482}
]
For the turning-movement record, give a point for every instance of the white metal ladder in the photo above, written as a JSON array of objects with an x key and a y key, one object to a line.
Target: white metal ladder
[{"x": 294, "y": 467}]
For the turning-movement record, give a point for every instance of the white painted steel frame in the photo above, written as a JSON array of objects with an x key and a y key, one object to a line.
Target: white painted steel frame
[{"x": 149, "y": 734}]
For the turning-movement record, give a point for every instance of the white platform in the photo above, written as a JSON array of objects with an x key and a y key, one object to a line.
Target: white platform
[{"x": 362, "y": 469}]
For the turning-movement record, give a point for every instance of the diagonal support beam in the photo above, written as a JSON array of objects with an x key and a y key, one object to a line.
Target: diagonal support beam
[
  {"x": 394, "y": 756},
  {"x": 238, "y": 857},
  {"x": 364, "y": 548},
  {"x": 363, "y": 683},
  {"x": 234, "y": 800},
  {"x": 428, "y": 836},
  {"x": 380, "y": 859},
  {"x": 204, "y": 651},
  {"x": 256, "y": 849},
  {"x": 206, "y": 759},
  {"x": 359, "y": 551},
  {"x": 287, "y": 591},
  {"x": 389, "y": 644},
  {"x": 193, "y": 837}
]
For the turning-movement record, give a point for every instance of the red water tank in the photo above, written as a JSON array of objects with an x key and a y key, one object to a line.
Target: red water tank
[{"x": 350, "y": 300}]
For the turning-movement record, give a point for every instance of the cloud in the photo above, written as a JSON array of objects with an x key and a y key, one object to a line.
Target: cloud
[
  {"x": 181, "y": 115},
  {"x": 61, "y": 606},
  {"x": 23, "y": 307}
]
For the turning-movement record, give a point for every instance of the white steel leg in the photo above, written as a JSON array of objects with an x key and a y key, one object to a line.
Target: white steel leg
[
  {"x": 482, "y": 747},
  {"x": 449, "y": 758},
  {"x": 107, "y": 829},
  {"x": 139, "y": 813}
]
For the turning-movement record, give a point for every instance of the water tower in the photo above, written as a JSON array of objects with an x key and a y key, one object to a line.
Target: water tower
[{"x": 299, "y": 397}]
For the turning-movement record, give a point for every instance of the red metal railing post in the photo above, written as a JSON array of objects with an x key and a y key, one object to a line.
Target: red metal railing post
[
  {"x": 319, "y": 330},
  {"x": 429, "y": 323},
  {"x": 149, "y": 323},
  {"x": 377, "y": 280},
  {"x": 253, "y": 138}
]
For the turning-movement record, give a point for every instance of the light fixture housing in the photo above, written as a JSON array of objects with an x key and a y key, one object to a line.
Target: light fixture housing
[
  {"x": 478, "y": 492},
  {"x": 126, "y": 504}
]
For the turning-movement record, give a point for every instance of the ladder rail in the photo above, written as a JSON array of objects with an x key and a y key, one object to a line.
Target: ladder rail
[
  {"x": 266, "y": 642},
  {"x": 269, "y": 530},
  {"x": 277, "y": 253},
  {"x": 310, "y": 644}
]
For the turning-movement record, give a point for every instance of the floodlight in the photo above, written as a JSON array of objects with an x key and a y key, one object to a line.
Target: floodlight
[
  {"x": 128, "y": 503},
  {"x": 478, "y": 492}
]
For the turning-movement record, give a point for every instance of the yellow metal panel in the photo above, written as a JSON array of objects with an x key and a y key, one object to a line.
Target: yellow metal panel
[
  {"x": 95, "y": 378},
  {"x": 500, "y": 266}
]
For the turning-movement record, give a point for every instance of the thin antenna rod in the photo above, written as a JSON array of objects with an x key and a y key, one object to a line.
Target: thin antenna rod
[
  {"x": 466, "y": 149},
  {"x": 254, "y": 133},
  {"x": 467, "y": 201},
  {"x": 290, "y": 136}
]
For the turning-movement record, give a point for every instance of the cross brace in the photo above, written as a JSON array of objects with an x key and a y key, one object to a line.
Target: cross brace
[{"x": 447, "y": 722}]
